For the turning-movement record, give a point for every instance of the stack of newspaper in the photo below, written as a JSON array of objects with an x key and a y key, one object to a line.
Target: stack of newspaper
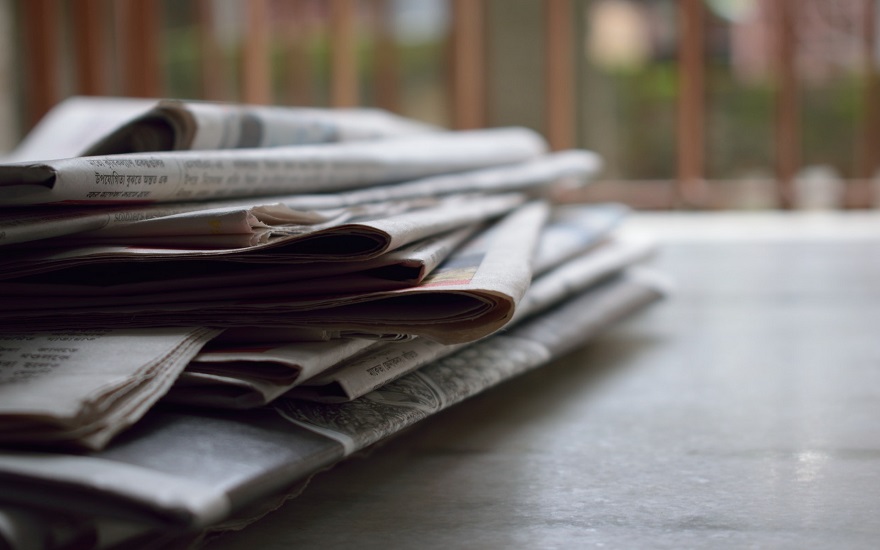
[{"x": 332, "y": 275}]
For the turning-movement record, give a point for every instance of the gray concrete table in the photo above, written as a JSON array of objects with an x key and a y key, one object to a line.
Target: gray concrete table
[{"x": 742, "y": 412}]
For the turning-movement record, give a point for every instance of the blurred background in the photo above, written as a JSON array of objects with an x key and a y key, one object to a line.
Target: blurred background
[{"x": 709, "y": 104}]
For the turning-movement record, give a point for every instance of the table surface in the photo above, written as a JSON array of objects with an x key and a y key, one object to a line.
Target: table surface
[{"x": 740, "y": 412}]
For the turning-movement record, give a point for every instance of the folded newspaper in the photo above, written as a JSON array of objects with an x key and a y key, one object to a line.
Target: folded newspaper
[
  {"x": 80, "y": 388},
  {"x": 258, "y": 217},
  {"x": 73, "y": 124},
  {"x": 38, "y": 368},
  {"x": 178, "y": 471},
  {"x": 129, "y": 125},
  {"x": 243, "y": 374},
  {"x": 173, "y": 125},
  {"x": 339, "y": 274},
  {"x": 470, "y": 296},
  {"x": 355, "y": 239},
  {"x": 201, "y": 175}
]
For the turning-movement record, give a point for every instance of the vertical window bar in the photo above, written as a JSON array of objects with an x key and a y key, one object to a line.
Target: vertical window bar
[
  {"x": 559, "y": 76},
  {"x": 40, "y": 20},
  {"x": 139, "y": 29},
  {"x": 787, "y": 104},
  {"x": 212, "y": 77},
  {"x": 256, "y": 79},
  {"x": 343, "y": 62},
  {"x": 387, "y": 74},
  {"x": 468, "y": 64},
  {"x": 295, "y": 36},
  {"x": 691, "y": 109},
  {"x": 90, "y": 47},
  {"x": 870, "y": 138}
]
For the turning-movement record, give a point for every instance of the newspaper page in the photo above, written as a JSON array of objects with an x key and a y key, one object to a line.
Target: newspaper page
[
  {"x": 219, "y": 227},
  {"x": 348, "y": 377},
  {"x": 376, "y": 367},
  {"x": 62, "y": 132},
  {"x": 404, "y": 267},
  {"x": 360, "y": 238},
  {"x": 574, "y": 229},
  {"x": 474, "y": 293},
  {"x": 181, "y": 125},
  {"x": 49, "y": 225},
  {"x": 252, "y": 336},
  {"x": 578, "y": 274},
  {"x": 28, "y": 224},
  {"x": 203, "y": 175},
  {"x": 177, "y": 470},
  {"x": 182, "y": 471},
  {"x": 536, "y": 175},
  {"x": 400, "y": 403},
  {"x": 83, "y": 387},
  {"x": 408, "y": 265},
  {"x": 248, "y": 377}
]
